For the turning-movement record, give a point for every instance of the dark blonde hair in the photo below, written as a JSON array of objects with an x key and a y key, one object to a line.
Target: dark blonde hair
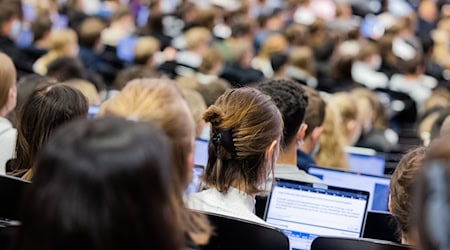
[
  {"x": 159, "y": 101},
  {"x": 244, "y": 123},
  {"x": 7, "y": 78}
]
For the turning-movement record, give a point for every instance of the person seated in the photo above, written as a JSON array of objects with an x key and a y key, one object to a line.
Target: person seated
[
  {"x": 8, "y": 93},
  {"x": 275, "y": 43},
  {"x": 47, "y": 108},
  {"x": 160, "y": 102},
  {"x": 144, "y": 52},
  {"x": 63, "y": 43},
  {"x": 401, "y": 194},
  {"x": 102, "y": 184},
  {"x": 292, "y": 101},
  {"x": 364, "y": 68},
  {"x": 301, "y": 66},
  {"x": 41, "y": 28},
  {"x": 431, "y": 198},
  {"x": 246, "y": 128},
  {"x": 212, "y": 64},
  {"x": 314, "y": 119}
]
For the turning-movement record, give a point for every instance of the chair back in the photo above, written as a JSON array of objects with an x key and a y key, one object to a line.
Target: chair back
[
  {"x": 337, "y": 243},
  {"x": 11, "y": 195}
]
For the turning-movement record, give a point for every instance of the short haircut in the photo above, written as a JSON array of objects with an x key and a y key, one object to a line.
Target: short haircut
[
  {"x": 278, "y": 60},
  {"x": 196, "y": 36},
  {"x": 213, "y": 90},
  {"x": 40, "y": 27},
  {"x": 7, "y": 12},
  {"x": 315, "y": 111},
  {"x": 144, "y": 49},
  {"x": 402, "y": 188},
  {"x": 90, "y": 31},
  {"x": 210, "y": 59},
  {"x": 291, "y": 100}
]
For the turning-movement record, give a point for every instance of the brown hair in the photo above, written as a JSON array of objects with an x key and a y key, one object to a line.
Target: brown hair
[
  {"x": 248, "y": 122},
  {"x": 210, "y": 59},
  {"x": 90, "y": 31},
  {"x": 159, "y": 101},
  {"x": 144, "y": 49},
  {"x": 402, "y": 187},
  {"x": 196, "y": 36},
  {"x": 273, "y": 44},
  {"x": 7, "y": 78},
  {"x": 47, "y": 108},
  {"x": 302, "y": 58},
  {"x": 348, "y": 112},
  {"x": 213, "y": 90},
  {"x": 315, "y": 111},
  {"x": 433, "y": 199}
]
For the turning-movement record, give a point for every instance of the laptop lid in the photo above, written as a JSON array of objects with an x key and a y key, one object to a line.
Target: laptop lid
[
  {"x": 304, "y": 211},
  {"x": 365, "y": 161},
  {"x": 377, "y": 186},
  {"x": 381, "y": 226}
]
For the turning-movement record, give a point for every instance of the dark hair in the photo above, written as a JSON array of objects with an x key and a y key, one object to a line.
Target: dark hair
[
  {"x": 432, "y": 197},
  {"x": 47, "y": 108},
  {"x": 7, "y": 12},
  {"x": 101, "y": 184},
  {"x": 278, "y": 60},
  {"x": 315, "y": 111},
  {"x": 41, "y": 26},
  {"x": 402, "y": 188},
  {"x": 291, "y": 100},
  {"x": 66, "y": 68},
  {"x": 244, "y": 123},
  {"x": 136, "y": 72}
]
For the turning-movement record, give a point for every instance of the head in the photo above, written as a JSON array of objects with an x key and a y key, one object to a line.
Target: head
[
  {"x": 279, "y": 61},
  {"x": 47, "y": 108},
  {"x": 349, "y": 125},
  {"x": 291, "y": 101},
  {"x": 213, "y": 90},
  {"x": 241, "y": 53},
  {"x": 10, "y": 23},
  {"x": 369, "y": 53},
  {"x": 132, "y": 73},
  {"x": 160, "y": 102},
  {"x": 439, "y": 122},
  {"x": 432, "y": 197},
  {"x": 8, "y": 89},
  {"x": 370, "y": 109},
  {"x": 314, "y": 119},
  {"x": 144, "y": 50},
  {"x": 87, "y": 89},
  {"x": 302, "y": 58},
  {"x": 197, "y": 39},
  {"x": 401, "y": 191},
  {"x": 273, "y": 44},
  {"x": 212, "y": 62},
  {"x": 64, "y": 42},
  {"x": 41, "y": 28},
  {"x": 89, "y": 181},
  {"x": 66, "y": 68},
  {"x": 197, "y": 106},
  {"x": 89, "y": 33},
  {"x": 238, "y": 156}
]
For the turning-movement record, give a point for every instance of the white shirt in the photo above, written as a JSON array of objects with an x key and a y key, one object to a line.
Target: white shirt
[
  {"x": 418, "y": 89},
  {"x": 361, "y": 73},
  {"x": 8, "y": 137},
  {"x": 234, "y": 203}
]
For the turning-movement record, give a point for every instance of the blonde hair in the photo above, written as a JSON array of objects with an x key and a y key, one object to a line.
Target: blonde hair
[
  {"x": 273, "y": 44},
  {"x": 7, "y": 78},
  {"x": 159, "y": 101},
  {"x": 197, "y": 106},
  {"x": 88, "y": 89},
  {"x": 145, "y": 48},
  {"x": 348, "y": 112},
  {"x": 331, "y": 153},
  {"x": 196, "y": 36}
]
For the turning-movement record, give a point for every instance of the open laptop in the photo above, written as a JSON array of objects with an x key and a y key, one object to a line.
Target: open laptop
[
  {"x": 201, "y": 152},
  {"x": 304, "y": 211},
  {"x": 377, "y": 186},
  {"x": 195, "y": 185},
  {"x": 365, "y": 161}
]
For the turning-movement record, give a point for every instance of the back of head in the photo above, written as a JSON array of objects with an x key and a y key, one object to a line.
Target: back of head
[
  {"x": 273, "y": 44},
  {"x": 349, "y": 124},
  {"x": 302, "y": 58},
  {"x": 213, "y": 90},
  {"x": 132, "y": 73},
  {"x": 197, "y": 36},
  {"x": 47, "y": 108},
  {"x": 90, "y": 31},
  {"x": 439, "y": 122},
  {"x": 91, "y": 179},
  {"x": 40, "y": 27},
  {"x": 144, "y": 49},
  {"x": 66, "y": 68},
  {"x": 315, "y": 111},
  {"x": 402, "y": 189},
  {"x": 87, "y": 89},
  {"x": 244, "y": 124},
  {"x": 291, "y": 100},
  {"x": 7, "y": 81},
  {"x": 432, "y": 198},
  {"x": 61, "y": 39}
]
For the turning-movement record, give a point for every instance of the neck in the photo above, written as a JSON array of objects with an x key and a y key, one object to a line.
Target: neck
[
  {"x": 3, "y": 112},
  {"x": 288, "y": 156}
]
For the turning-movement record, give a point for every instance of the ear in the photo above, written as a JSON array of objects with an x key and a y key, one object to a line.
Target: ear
[
  {"x": 12, "y": 98},
  {"x": 271, "y": 150},
  {"x": 302, "y": 132},
  {"x": 315, "y": 134}
]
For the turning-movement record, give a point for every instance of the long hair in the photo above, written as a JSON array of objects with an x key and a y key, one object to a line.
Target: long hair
[
  {"x": 101, "y": 185},
  {"x": 47, "y": 108},
  {"x": 160, "y": 102}
]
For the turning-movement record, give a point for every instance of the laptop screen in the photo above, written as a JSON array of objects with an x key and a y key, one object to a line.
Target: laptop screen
[
  {"x": 194, "y": 186},
  {"x": 304, "y": 211},
  {"x": 366, "y": 164},
  {"x": 377, "y": 186},
  {"x": 201, "y": 152}
]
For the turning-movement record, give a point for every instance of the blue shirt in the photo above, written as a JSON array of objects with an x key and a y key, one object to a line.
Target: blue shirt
[{"x": 304, "y": 160}]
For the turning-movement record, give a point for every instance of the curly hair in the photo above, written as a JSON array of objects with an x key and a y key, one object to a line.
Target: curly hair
[{"x": 292, "y": 101}]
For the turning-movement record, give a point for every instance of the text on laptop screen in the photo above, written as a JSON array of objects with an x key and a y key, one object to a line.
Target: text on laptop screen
[
  {"x": 366, "y": 164},
  {"x": 304, "y": 211},
  {"x": 377, "y": 186}
]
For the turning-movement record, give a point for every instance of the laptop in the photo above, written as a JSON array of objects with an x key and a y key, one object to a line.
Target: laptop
[
  {"x": 201, "y": 152},
  {"x": 305, "y": 211},
  {"x": 377, "y": 186},
  {"x": 365, "y": 161},
  {"x": 381, "y": 226},
  {"x": 195, "y": 185}
]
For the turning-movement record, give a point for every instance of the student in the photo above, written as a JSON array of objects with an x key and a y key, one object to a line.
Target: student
[
  {"x": 47, "y": 108},
  {"x": 314, "y": 119},
  {"x": 101, "y": 184},
  {"x": 291, "y": 100},
  {"x": 160, "y": 102},
  {"x": 432, "y": 202},
  {"x": 246, "y": 128},
  {"x": 401, "y": 193},
  {"x": 8, "y": 92}
]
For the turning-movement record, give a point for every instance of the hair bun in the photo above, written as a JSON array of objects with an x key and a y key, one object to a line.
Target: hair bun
[{"x": 214, "y": 115}]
